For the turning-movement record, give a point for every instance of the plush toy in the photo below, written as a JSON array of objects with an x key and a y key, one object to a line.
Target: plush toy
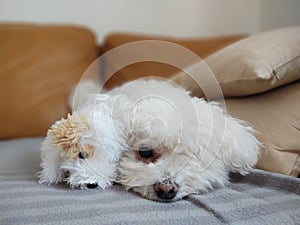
[{"x": 83, "y": 149}]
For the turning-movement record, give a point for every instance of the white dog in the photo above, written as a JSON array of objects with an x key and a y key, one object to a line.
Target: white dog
[
  {"x": 180, "y": 144},
  {"x": 171, "y": 144},
  {"x": 83, "y": 150}
]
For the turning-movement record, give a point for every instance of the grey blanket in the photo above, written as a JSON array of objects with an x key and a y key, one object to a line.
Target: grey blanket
[{"x": 259, "y": 198}]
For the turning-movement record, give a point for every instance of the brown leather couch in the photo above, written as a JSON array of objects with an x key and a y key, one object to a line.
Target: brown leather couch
[{"x": 39, "y": 65}]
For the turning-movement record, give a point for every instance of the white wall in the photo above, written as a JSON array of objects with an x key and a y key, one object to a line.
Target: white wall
[
  {"x": 189, "y": 18},
  {"x": 279, "y": 13}
]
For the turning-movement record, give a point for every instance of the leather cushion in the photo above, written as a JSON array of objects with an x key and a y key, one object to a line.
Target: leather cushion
[
  {"x": 275, "y": 115},
  {"x": 38, "y": 67},
  {"x": 201, "y": 46}
]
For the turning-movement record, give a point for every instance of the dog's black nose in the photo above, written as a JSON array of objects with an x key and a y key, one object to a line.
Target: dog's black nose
[
  {"x": 91, "y": 185},
  {"x": 165, "y": 190}
]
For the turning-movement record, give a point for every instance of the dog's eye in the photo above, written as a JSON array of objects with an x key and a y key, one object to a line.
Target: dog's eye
[
  {"x": 147, "y": 155},
  {"x": 145, "y": 152}
]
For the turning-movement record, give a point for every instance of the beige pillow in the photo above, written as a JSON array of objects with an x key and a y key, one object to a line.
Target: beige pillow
[
  {"x": 38, "y": 67},
  {"x": 275, "y": 115},
  {"x": 253, "y": 65}
]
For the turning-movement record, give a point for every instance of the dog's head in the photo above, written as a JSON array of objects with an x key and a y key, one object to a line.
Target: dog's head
[
  {"x": 182, "y": 146},
  {"x": 161, "y": 162},
  {"x": 170, "y": 169}
]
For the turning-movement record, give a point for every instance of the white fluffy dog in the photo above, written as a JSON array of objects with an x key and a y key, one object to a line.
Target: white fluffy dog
[
  {"x": 178, "y": 144},
  {"x": 170, "y": 144},
  {"x": 83, "y": 150}
]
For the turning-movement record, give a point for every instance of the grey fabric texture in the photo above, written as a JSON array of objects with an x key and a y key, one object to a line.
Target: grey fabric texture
[{"x": 258, "y": 198}]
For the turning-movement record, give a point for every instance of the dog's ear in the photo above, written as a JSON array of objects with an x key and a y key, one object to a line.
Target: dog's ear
[
  {"x": 230, "y": 140},
  {"x": 67, "y": 133},
  {"x": 240, "y": 149}
]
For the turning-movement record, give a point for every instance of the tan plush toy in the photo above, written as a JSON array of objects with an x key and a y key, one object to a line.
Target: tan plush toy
[{"x": 83, "y": 149}]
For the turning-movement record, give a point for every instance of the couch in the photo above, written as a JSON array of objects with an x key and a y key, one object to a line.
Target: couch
[{"x": 258, "y": 76}]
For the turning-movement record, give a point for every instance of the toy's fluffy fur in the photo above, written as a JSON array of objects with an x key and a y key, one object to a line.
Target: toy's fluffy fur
[
  {"x": 92, "y": 130},
  {"x": 195, "y": 143}
]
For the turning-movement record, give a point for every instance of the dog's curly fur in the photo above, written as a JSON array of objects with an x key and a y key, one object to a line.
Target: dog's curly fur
[{"x": 194, "y": 144}]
